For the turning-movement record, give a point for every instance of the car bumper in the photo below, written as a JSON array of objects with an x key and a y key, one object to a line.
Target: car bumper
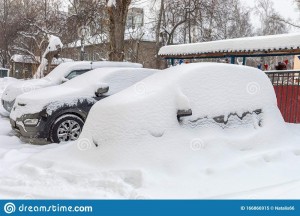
[{"x": 33, "y": 134}]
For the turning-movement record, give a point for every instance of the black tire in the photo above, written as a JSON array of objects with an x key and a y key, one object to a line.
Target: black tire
[{"x": 66, "y": 128}]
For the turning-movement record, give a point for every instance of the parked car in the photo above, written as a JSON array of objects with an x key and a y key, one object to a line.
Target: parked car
[
  {"x": 60, "y": 74},
  {"x": 181, "y": 102},
  {"x": 4, "y": 82},
  {"x": 58, "y": 113},
  {"x": 4, "y": 72}
]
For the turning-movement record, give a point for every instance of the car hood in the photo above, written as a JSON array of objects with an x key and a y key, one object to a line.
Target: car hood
[
  {"x": 20, "y": 87},
  {"x": 37, "y": 100}
]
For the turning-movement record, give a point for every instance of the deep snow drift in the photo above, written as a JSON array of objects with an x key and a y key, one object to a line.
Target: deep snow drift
[{"x": 144, "y": 153}]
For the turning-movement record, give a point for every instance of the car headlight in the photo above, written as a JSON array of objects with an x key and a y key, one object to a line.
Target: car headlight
[{"x": 31, "y": 122}]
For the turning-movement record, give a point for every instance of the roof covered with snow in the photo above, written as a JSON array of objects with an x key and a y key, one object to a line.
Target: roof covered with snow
[{"x": 284, "y": 43}]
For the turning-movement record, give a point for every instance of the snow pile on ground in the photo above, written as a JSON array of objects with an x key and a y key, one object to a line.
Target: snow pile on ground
[{"x": 133, "y": 147}]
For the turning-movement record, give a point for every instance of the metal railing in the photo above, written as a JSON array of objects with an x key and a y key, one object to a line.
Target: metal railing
[{"x": 287, "y": 88}]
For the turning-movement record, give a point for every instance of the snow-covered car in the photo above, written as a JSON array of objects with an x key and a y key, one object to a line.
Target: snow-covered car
[
  {"x": 184, "y": 98},
  {"x": 4, "y": 82},
  {"x": 58, "y": 113},
  {"x": 60, "y": 74}
]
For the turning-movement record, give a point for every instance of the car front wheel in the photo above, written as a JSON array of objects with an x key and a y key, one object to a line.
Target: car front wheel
[{"x": 66, "y": 128}]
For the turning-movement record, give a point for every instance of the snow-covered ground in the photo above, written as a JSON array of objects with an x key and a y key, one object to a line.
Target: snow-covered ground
[{"x": 212, "y": 165}]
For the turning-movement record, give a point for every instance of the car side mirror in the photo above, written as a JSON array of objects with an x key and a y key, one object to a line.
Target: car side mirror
[
  {"x": 63, "y": 80},
  {"x": 101, "y": 91},
  {"x": 183, "y": 113}
]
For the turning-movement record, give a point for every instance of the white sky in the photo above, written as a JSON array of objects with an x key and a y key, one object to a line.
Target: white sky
[{"x": 287, "y": 8}]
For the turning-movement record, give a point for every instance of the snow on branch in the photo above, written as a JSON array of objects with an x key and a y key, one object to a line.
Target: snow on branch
[
  {"x": 23, "y": 50},
  {"x": 111, "y": 3},
  {"x": 54, "y": 45}
]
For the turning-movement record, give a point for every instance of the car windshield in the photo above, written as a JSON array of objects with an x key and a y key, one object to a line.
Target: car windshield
[{"x": 75, "y": 73}]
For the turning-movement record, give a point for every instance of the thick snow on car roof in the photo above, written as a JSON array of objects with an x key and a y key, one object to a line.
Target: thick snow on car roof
[
  {"x": 65, "y": 68},
  {"x": 210, "y": 88},
  {"x": 82, "y": 86},
  {"x": 114, "y": 77}
]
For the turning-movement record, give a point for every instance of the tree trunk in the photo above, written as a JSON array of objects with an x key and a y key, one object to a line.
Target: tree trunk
[
  {"x": 158, "y": 28},
  {"x": 5, "y": 20},
  {"x": 117, "y": 18},
  {"x": 82, "y": 52}
]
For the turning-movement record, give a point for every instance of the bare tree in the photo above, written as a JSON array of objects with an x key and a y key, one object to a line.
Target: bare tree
[
  {"x": 85, "y": 18},
  {"x": 271, "y": 22},
  {"x": 117, "y": 12},
  {"x": 189, "y": 21},
  {"x": 33, "y": 40},
  {"x": 14, "y": 16},
  {"x": 175, "y": 14},
  {"x": 158, "y": 30}
]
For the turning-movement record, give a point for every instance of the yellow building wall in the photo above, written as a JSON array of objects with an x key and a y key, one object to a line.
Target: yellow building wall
[{"x": 296, "y": 63}]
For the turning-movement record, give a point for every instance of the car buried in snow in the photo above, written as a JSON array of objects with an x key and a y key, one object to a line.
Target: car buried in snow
[
  {"x": 57, "y": 113},
  {"x": 60, "y": 74},
  {"x": 185, "y": 99}
]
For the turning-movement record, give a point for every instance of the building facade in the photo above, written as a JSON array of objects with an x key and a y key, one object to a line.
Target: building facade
[{"x": 143, "y": 52}]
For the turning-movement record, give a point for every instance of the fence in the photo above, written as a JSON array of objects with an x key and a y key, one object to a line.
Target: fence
[{"x": 287, "y": 88}]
